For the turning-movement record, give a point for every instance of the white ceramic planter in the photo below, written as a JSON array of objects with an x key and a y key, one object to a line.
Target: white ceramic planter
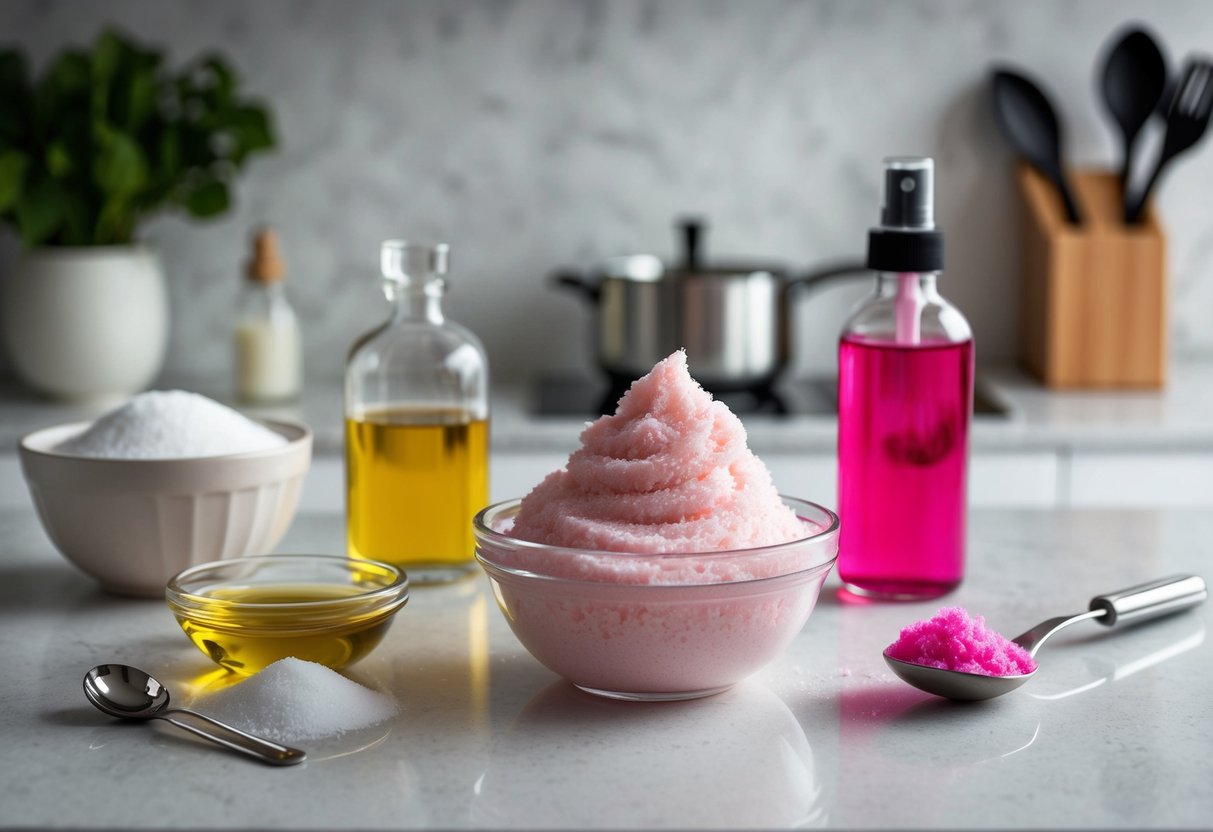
[{"x": 86, "y": 323}]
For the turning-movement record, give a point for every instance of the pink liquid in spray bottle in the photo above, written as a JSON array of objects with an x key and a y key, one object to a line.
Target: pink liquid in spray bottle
[{"x": 905, "y": 400}]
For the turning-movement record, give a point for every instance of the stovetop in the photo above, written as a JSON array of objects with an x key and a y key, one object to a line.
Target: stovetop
[{"x": 567, "y": 395}]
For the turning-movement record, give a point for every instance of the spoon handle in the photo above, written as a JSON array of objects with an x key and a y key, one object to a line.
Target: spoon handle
[
  {"x": 1150, "y": 600},
  {"x": 1034, "y": 638},
  {"x": 233, "y": 738},
  {"x": 1135, "y": 208},
  {"x": 1067, "y": 198},
  {"x": 1137, "y": 603}
]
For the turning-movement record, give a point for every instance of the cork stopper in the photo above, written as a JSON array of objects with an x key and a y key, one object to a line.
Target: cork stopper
[{"x": 267, "y": 265}]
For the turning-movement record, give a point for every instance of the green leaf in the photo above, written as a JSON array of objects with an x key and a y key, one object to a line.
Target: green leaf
[
  {"x": 58, "y": 160},
  {"x": 115, "y": 223},
  {"x": 12, "y": 170},
  {"x": 120, "y": 169},
  {"x": 78, "y": 220},
  {"x": 104, "y": 137},
  {"x": 109, "y": 53},
  {"x": 126, "y": 80},
  {"x": 195, "y": 147},
  {"x": 208, "y": 199},
  {"x": 169, "y": 158},
  {"x": 39, "y": 212},
  {"x": 63, "y": 91},
  {"x": 251, "y": 132},
  {"x": 137, "y": 100},
  {"x": 69, "y": 76},
  {"x": 220, "y": 78}
]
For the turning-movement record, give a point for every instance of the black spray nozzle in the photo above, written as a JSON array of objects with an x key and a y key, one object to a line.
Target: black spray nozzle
[
  {"x": 907, "y": 239},
  {"x": 909, "y": 193}
]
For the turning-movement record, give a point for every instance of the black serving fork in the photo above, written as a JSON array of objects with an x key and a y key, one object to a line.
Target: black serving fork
[{"x": 1187, "y": 119}]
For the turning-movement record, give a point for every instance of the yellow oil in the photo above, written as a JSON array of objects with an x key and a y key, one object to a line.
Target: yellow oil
[
  {"x": 415, "y": 478},
  {"x": 247, "y": 639}
]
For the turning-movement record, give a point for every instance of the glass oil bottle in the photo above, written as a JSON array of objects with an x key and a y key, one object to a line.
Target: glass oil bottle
[
  {"x": 416, "y": 426},
  {"x": 905, "y": 401}
]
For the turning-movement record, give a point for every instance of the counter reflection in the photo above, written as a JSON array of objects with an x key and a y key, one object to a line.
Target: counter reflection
[
  {"x": 1099, "y": 670},
  {"x": 941, "y": 756},
  {"x": 569, "y": 759}
]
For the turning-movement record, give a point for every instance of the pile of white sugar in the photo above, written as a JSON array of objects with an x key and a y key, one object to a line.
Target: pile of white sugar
[
  {"x": 293, "y": 700},
  {"x": 171, "y": 424}
]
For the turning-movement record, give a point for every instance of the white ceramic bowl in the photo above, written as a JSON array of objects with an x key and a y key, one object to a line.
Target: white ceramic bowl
[{"x": 134, "y": 523}]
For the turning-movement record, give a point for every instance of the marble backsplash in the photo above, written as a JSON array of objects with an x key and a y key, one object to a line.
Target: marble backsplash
[{"x": 537, "y": 133}]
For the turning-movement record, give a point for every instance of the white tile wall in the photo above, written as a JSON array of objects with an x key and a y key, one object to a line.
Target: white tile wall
[{"x": 540, "y": 132}]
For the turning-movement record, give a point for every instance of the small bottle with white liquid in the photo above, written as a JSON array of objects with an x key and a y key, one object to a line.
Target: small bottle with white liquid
[{"x": 269, "y": 363}]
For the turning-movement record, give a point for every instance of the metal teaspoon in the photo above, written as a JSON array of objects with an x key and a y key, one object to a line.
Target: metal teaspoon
[
  {"x": 1137, "y": 603},
  {"x": 129, "y": 693}
]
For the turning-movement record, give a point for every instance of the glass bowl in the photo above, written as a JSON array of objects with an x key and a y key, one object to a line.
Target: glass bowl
[
  {"x": 248, "y": 613},
  {"x": 660, "y": 626}
]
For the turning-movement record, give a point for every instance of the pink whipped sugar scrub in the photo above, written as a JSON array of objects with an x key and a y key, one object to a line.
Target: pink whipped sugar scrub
[
  {"x": 668, "y": 472},
  {"x": 952, "y": 640},
  {"x": 660, "y": 562}
]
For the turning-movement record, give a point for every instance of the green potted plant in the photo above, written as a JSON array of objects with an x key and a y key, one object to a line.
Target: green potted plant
[{"x": 104, "y": 139}]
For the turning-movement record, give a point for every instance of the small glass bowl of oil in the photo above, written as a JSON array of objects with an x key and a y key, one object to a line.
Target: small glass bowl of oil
[{"x": 248, "y": 613}]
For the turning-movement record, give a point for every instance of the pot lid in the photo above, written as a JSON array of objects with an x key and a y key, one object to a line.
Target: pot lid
[
  {"x": 729, "y": 268},
  {"x": 645, "y": 268},
  {"x": 691, "y": 231},
  {"x": 642, "y": 268}
]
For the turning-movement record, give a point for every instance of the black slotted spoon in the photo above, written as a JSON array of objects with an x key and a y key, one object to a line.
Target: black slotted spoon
[{"x": 1187, "y": 121}]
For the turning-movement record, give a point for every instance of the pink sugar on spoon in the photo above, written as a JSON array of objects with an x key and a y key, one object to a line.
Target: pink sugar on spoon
[
  {"x": 959, "y": 657},
  {"x": 952, "y": 640}
]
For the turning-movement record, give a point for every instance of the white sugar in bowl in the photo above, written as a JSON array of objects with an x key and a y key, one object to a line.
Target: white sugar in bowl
[{"x": 134, "y": 523}]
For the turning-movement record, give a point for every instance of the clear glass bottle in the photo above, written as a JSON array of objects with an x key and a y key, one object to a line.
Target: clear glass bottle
[
  {"x": 416, "y": 426},
  {"x": 905, "y": 401},
  {"x": 268, "y": 351}
]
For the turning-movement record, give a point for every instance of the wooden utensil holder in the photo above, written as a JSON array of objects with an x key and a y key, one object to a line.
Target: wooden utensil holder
[{"x": 1094, "y": 296}]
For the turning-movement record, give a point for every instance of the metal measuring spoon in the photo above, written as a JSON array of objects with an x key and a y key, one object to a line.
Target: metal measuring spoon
[
  {"x": 1138, "y": 603},
  {"x": 129, "y": 693}
]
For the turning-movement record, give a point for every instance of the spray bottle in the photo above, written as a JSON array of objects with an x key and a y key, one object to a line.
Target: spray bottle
[{"x": 905, "y": 402}]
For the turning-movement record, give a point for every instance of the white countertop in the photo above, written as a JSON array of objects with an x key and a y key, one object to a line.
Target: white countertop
[
  {"x": 1115, "y": 731},
  {"x": 1179, "y": 418}
]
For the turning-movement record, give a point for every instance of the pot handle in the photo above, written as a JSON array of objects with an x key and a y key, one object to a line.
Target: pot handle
[
  {"x": 831, "y": 271},
  {"x": 577, "y": 283},
  {"x": 834, "y": 270},
  {"x": 692, "y": 230}
]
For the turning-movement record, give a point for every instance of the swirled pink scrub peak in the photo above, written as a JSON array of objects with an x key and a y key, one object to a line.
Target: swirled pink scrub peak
[{"x": 669, "y": 471}]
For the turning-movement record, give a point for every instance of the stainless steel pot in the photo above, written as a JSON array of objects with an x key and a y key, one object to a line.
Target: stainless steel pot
[{"x": 732, "y": 319}]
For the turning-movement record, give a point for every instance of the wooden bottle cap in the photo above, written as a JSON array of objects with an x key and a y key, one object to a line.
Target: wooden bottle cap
[{"x": 267, "y": 265}]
